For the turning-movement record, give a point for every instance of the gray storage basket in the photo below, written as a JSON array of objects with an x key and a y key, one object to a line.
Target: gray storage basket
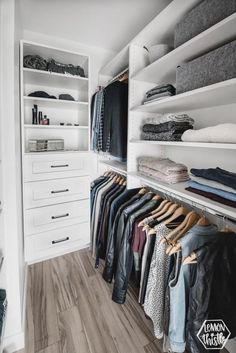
[
  {"x": 202, "y": 17},
  {"x": 215, "y": 66}
]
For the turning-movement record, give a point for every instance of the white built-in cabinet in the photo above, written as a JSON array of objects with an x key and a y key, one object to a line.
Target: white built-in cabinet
[
  {"x": 209, "y": 105},
  {"x": 55, "y": 184}
]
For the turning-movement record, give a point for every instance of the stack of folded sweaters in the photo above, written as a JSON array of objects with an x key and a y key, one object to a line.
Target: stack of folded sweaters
[
  {"x": 169, "y": 127},
  {"x": 215, "y": 183},
  {"x": 159, "y": 92},
  {"x": 163, "y": 169}
]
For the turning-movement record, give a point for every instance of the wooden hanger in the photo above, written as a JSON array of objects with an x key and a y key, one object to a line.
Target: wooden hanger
[
  {"x": 162, "y": 210},
  {"x": 191, "y": 259},
  {"x": 191, "y": 221},
  {"x": 142, "y": 191},
  {"x": 164, "y": 202},
  {"x": 125, "y": 182},
  {"x": 156, "y": 197},
  {"x": 181, "y": 211},
  {"x": 203, "y": 221},
  {"x": 170, "y": 211}
]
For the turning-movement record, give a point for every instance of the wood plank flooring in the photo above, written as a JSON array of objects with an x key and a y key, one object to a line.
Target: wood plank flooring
[{"x": 69, "y": 310}]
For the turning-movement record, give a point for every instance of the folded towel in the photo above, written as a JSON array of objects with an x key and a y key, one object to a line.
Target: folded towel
[
  {"x": 176, "y": 117},
  {"x": 222, "y": 133},
  {"x": 217, "y": 174},
  {"x": 212, "y": 183},
  {"x": 169, "y": 179},
  {"x": 157, "y": 97},
  {"x": 213, "y": 197},
  {"x": 168, "y": 126},
  {"x": 161, "y": 89},
  {"x": 163, "y": 165},
  {"x": 226, "y": 195},
  {"x": 162, "y": 136}
]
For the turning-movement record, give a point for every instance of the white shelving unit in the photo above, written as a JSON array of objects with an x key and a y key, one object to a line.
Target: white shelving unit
[
  {"x": 55, "y": 184},
  {"x": 208, "y": 106}
]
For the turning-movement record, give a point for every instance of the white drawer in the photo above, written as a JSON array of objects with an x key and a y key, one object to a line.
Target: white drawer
[
  {"x": 52, "y": 217},
  {"x": 49, "y": 192},
  {"x": 52, "y": 166},
  {"x": 50, "y": 243}
]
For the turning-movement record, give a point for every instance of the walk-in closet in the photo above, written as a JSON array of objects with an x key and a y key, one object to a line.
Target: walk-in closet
[{"x": 117, "y": 176}]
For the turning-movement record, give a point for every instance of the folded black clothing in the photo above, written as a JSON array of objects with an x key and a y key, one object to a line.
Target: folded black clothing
[
  {"x": 212, "y": 196},
  {"x": 61, "y": 68},
  {"x": 35, "y": 62},
  {"x": 41, "y": 94},
  {"x": 168, "y": 126},
  {"x": 66, "y": 97},
  {"x": 161, "y": 89},
  {"x": 217, "y": 174},
  {"x": 162, "y": 136}
]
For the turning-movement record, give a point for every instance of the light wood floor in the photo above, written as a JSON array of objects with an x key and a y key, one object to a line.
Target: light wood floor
[{"x": 69, "y": 310}]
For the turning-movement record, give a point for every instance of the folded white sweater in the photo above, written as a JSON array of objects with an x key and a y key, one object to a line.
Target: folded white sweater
[{"x": 222, "y": 133}]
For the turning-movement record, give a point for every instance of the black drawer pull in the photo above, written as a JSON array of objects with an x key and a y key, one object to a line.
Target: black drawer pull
[
  {"x": 60, "y": 240},
  {"x": 61, "y": 216},
  {"x": 60, "y": 166},
  {"x": 59, "y": 191}
]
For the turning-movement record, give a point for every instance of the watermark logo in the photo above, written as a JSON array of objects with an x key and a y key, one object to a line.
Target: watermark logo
[{"x": 213, "y": 334}]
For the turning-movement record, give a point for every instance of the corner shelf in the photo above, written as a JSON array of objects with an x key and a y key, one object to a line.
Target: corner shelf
[
  {"x": 225, "y": 146},
  {"x": 56, "y": 101},
  {"x": 119, "y": 167},
  {"x": 165, "y": 67},
  {"x": 179, "y": 190},
  {"x": 63, "y": 127},
  {"x": 56, "y": 79},
  {"x": 220, "y": 93}
]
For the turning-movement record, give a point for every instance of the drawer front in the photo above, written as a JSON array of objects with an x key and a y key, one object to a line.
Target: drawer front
[
  {"x": 54, "y": 166},
  {"x": 44, "y": 244},
  {"x": 52, "y": 217},
  {"x": 49, "y": 192}
]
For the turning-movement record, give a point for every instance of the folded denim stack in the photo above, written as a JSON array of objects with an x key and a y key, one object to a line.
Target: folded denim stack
[
  {"x": 159, "y": 92},
  {"x": 215, "y": 183},
  {"x": 163, "y": 169},
  {"x": 168, "y": 131},
  {"x": 222, "y": 133}
]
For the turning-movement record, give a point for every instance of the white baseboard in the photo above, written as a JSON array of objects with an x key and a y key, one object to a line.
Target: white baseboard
[{"x": 14, "y": 343}]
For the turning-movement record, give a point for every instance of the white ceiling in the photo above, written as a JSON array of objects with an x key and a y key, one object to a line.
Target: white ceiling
[{"x": 108, "y": 24}]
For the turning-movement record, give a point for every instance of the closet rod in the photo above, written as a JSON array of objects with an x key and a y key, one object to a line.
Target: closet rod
[
  {"x": 191, "y": 203},
  {"x": 118, "y": 75}
]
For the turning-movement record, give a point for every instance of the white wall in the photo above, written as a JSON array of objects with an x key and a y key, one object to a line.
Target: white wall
[{"x": 14, "y": 264}]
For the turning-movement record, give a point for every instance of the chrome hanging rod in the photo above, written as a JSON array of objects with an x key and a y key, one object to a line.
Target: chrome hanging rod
[{"x": 118, "y": 75}]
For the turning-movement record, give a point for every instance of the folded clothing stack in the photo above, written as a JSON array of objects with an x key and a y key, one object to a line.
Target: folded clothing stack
[
  {"x": 163, "y": 169},
  {"x": 159, "y": 92},
  {"x": 222, "y": 133},
  {"x": 171, "y": 128},
  {"x": 214, "y": 183}
]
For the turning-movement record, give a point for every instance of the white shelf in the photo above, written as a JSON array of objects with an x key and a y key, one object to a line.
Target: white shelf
[
  {"x": 56, "y": 101},
  {"x": 221, "y": 93},
  {"x": 165, "y": 67},
  {"x": 159, "y": 30},
  {"x": 55, "y": 152},
  {"x": 41, "y": 77},
  {"x": 226, "y": 146},
  {"x": 119, "y": 167},
  {"x": 179, "y": 190},
  {"x": 65, "y": 127}
]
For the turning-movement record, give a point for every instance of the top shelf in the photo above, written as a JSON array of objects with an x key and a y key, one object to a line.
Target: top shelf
[
  {"x": 159, "y": 30},
  {"x": 54, "y": 79},
  {"x": 164, "y": 69}
]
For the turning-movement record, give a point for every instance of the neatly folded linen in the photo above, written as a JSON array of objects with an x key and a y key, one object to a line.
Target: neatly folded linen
[
  {"x": 212, "y": 183},
  {"x": 163, "y": 165},
  {"x": 178, "y": 117},
  {"x": 162, "y": 136},
  {"x": 161, "y": 89},
  {"x": 212, "y": 197},
  {"x": 222, "y": 133},
  {"x": 225, "y": 194},
  {"x": 169, "y": 179},
  {"x": 156, "y": 97},
  {"x": 217, "y": 174},
  {"x": 168, "y": 126}
]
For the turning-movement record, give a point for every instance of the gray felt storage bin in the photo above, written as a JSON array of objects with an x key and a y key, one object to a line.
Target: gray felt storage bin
[
  {"x": 202, "y": 17},
  {"x": 215, "y": 66}
]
